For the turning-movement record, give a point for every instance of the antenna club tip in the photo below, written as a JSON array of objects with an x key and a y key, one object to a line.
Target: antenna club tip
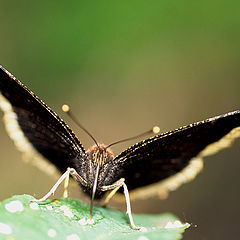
[
  {"x": 65, "y": 108},
  {"x": 156, "y": 129}
]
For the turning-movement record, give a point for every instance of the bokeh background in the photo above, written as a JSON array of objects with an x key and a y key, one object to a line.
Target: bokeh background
[{"x": 124, "y": 66}]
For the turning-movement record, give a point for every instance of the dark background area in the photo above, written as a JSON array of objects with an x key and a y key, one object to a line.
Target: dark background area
[{"x": 123, "y": 67}]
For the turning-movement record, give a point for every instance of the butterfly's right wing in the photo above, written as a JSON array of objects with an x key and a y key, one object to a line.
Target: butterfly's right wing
[
  {"x": 164, "y": 162},
  {"x": 31, "y": 124}
]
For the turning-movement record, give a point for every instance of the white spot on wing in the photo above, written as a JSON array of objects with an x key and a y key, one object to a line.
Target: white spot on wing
[
  {"x": 5, "y": 229},
  {"x": 14, "y": 206}
]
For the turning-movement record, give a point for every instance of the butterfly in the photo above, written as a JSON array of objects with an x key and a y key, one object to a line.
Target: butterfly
[{"x": 153, "y": 166}]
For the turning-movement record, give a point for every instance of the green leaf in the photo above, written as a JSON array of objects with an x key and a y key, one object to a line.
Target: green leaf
[{"x": 67, "y": 219}]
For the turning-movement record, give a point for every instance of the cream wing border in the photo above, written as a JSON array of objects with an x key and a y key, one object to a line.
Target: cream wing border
[{"x": 21, "y": 142}]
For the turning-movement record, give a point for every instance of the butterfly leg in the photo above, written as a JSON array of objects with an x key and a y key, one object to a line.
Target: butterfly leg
[
  {"x": 109, "y": 196},
  {"x": 76, "y": 177},
  {"x": 114, "y": 187},
  {"x": 66, "y": 183},
  {"x": 54, "y": 188},
  {"x": 65, "y": 176}
]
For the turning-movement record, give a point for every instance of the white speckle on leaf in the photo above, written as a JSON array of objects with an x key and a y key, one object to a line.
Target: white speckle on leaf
[
  {"x": 143, "y": 238},
  {"x": 63, "y": 207},
  {"x": 83, "y": 222},
  {"x": 5, "y": 229},
  {"x": 143, "y": 229},
  {"x": 90, "y": 221},
  {"x": 14, "y": 206},
  {"x": 73, "y": 237},
  {"x": 34, "y": 206},
  {"x": 51, "y": 233},
  {"x": 67, "y": 211},
  {"x": 169, "y": 225},
  {"x": 49, "y": 207},
  {"x": 176, "y": 224}
]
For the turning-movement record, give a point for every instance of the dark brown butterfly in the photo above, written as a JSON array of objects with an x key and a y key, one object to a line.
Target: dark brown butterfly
[{"x": 156, "y": 165}]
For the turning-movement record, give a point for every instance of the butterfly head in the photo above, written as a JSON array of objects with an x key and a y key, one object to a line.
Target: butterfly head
[{"x": 99, "y": 155}]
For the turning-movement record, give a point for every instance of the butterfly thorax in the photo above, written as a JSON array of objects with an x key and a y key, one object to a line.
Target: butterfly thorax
[{"x": 99, "y": 160}]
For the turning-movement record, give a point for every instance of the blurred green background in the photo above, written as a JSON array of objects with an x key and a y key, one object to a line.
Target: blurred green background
[{"x": 124, "y": 66}]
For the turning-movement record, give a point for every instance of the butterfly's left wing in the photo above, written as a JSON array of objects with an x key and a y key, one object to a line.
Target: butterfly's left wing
[
  {"x": 32, "y": 125},
  {"x": 176, "y": 156}
]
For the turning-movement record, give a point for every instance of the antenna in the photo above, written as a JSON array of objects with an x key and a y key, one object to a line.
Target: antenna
[
  {"x": 66, "y": 109},
  {"x": 154, "y": 130}
]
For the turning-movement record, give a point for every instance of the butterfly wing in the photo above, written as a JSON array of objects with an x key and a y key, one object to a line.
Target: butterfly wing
[
  {"x": 176, "y": 156},
  {"x": 30, "y": 122}
]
